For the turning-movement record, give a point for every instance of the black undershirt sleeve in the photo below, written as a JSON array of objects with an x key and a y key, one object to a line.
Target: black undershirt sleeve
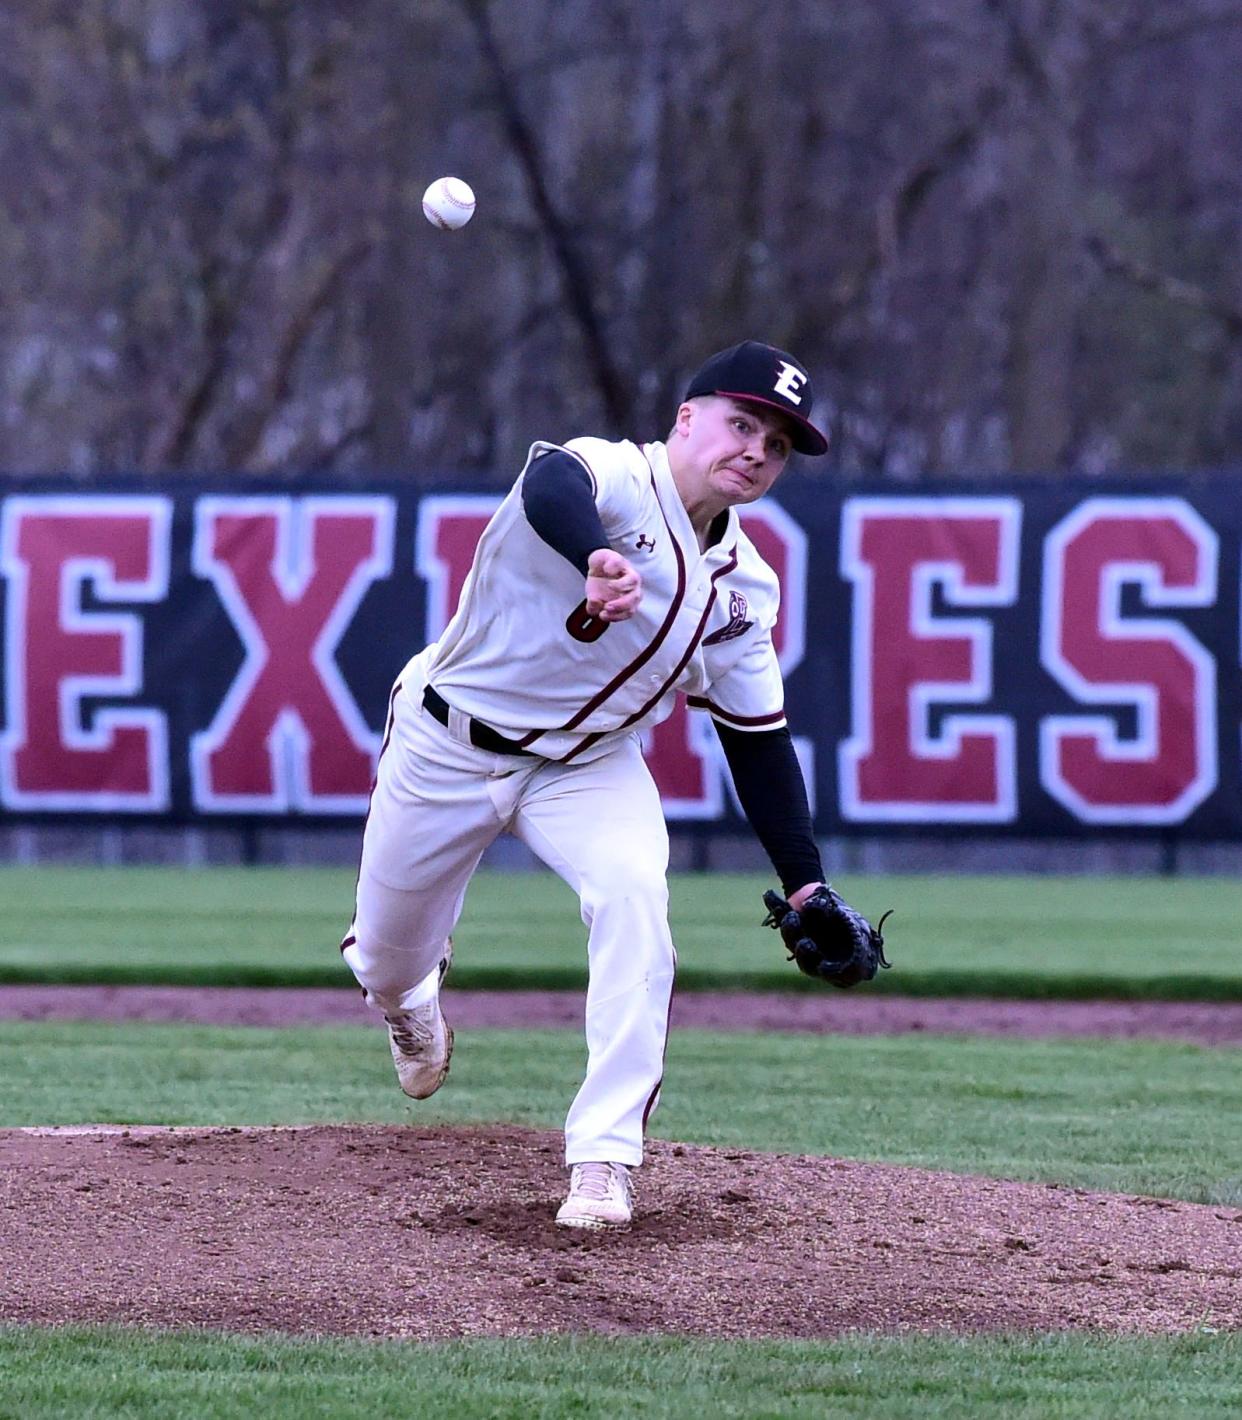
[
  {"x": 560, "y": 505},
  {"x": 772, "y": 791}
]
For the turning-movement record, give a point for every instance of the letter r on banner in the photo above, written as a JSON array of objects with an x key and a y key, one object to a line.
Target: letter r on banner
[{"x": 907, "y": 662}]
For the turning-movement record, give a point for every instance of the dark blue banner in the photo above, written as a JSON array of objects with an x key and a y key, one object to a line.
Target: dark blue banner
[{"x": 1038, "y": 658}]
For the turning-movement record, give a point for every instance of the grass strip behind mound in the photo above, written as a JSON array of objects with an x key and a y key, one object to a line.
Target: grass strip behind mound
[
  {"x": 1025, "y": 937},
  {"x": 998, "y": 985},
  {"x": 110, "y": 1372},
  {"x": 1124, "y": 1116}
]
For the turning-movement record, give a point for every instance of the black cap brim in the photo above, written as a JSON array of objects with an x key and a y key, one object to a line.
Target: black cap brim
[{"x": 805, "y": 437}]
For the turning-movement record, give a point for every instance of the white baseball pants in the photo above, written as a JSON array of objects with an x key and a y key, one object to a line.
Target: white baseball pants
[{"x": 438, "y": 803}]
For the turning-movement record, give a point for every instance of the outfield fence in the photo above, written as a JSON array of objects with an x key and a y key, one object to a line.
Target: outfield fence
[{"x": 998, "y": 661}]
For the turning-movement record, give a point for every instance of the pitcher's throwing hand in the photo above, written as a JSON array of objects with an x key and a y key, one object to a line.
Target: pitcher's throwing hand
[{"x": 613, "y": 588}]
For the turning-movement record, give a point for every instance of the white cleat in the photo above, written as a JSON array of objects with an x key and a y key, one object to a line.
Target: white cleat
[
  {"x": 421, "y": 1042},
  {"x": 599, "y": 1197}
]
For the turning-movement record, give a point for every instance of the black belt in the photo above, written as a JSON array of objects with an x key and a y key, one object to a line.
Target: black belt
[{"x": 481, "y": 736}]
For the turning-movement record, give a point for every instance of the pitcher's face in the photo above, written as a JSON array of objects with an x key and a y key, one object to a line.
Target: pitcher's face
[{"x": 733, "y": 451}]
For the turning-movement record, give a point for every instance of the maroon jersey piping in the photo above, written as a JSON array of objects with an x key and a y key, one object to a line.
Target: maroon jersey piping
[
  {"x": 646, "y": 654},
  {"x": 677, "y": 670},
  {"x": 701, "y": 702}
]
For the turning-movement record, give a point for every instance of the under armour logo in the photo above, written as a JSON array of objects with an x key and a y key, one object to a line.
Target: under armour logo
[
  {"x": 645, "y": 541},
  {"x": 789, "y": 380}
]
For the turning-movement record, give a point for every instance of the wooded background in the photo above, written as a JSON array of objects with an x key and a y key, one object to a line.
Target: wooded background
[{"x": 1003, "y": 234}]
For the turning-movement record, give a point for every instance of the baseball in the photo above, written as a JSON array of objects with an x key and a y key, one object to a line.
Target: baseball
[{"x": 448, "y": 203}]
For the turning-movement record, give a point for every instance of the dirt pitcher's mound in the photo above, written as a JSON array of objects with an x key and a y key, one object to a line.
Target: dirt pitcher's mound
[{"x": 389, "y": 1231}]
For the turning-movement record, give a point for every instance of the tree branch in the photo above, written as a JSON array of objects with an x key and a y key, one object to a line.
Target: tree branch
[
  {"x": 1115, "y": 262},
  {"x": 242, "y": 447},
  {"x": 573, "y": 266},
  {"x": 1171, "y": 30},
  {"x": 898, "y": 209},
  {"x": 1024, "y": 55},
  {"x": 170, "y": 447}
]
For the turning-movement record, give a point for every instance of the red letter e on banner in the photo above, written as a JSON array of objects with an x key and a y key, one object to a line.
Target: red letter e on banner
[
  {"x": 57, "y": 752},
  {"x": 905, "y": 661}
]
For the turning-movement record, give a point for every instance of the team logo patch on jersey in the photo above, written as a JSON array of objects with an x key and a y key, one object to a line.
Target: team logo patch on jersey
[
  {"x": 645, "y": 541},
  {"x": 737, "y": 621}
]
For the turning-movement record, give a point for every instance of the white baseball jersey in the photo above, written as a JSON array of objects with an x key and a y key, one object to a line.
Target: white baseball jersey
[{"x": 521, "y": 654}]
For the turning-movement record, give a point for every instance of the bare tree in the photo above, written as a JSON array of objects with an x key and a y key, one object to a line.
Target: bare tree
[{"x": 1003, "y": 233}]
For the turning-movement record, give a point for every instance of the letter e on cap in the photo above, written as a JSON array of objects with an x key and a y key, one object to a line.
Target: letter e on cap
[{"x": 788, "y": 381}]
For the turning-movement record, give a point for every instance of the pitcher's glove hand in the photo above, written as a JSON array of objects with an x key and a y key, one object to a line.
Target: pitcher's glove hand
[{"x": 827, "y": 938}]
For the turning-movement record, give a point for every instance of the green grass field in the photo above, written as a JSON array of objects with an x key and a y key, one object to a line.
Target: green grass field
[
  {"x": 1130, "y": 1116},
  {"x": 1028, "y": 937},
  {"x": 1134, "y": 1116},
  {"x": 47, "y": 1376}
]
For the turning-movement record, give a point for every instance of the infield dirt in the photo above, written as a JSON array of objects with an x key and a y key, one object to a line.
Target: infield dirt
[
  {"x": 436, "y": 1233},
  {"x": 402, "y": 1232}
]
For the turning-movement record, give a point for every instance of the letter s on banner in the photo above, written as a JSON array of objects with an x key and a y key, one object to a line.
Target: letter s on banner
[{"x": 1162, "y": 547}]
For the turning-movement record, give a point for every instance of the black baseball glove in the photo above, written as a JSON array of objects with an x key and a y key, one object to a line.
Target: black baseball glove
[{"x": 827, "y": 938}]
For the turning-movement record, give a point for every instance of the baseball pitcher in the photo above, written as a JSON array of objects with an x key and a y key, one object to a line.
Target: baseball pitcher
[{"x": 612, "y": 576}]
